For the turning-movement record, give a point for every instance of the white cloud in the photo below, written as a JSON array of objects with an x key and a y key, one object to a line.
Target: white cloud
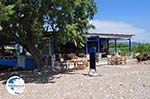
[
  {"x": 120, "y": 27},
  {"x": 105, "y": 26}
]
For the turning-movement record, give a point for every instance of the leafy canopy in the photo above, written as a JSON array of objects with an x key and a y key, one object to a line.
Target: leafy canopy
[
  {"x": 64, "y": 20},
  {"x": 5, "y": 11},
  {"x": 67, "y": 20}
]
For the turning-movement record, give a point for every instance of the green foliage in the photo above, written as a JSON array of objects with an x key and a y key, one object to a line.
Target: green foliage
[
  {"x": 69, "y": 19},
  {"x": 24, "y": 24},
  {"x": 119, "y": 45},
  {"x": 123, "y": 47},
  {"x": 5, "y": 11},
  {"x": 142, "y": 48}
]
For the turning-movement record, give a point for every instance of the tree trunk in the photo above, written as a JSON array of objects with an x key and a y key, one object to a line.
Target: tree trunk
[{"x": 35, "y": 53}]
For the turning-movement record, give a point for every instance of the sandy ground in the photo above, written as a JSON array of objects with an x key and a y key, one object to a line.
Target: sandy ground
[{"x": 131, "y": 81}]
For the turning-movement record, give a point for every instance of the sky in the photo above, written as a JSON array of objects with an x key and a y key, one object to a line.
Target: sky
[{"x": 123, "y": 16}]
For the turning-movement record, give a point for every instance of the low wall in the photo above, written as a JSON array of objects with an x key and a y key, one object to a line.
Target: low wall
[{"x": 20, "y": 61}]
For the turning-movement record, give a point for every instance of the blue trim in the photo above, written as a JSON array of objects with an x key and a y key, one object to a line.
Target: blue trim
[
  {"x": 115, "y": 45},
  {"x": 129, "y": 45},
  {"x": 86, "y": 47},
  {"x": 8, "y": 62},
  {"x": 95, "y": 39},
  {"x": 100, "y": 44},
  {"x": 107, "y": 45},
  {"x": 30, "y": 64}
]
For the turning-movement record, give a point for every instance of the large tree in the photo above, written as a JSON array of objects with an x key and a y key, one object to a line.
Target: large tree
[{"x": 66, "y": 20}]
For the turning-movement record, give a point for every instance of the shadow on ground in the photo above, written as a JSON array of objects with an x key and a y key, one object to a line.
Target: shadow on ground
[{"x": 46, "y": 75}]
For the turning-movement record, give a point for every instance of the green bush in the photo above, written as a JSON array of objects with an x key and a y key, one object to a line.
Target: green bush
[{"x": 142, "y": 48}]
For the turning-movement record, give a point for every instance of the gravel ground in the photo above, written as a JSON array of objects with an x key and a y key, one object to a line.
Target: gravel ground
[{"x": 131, "y": 81}]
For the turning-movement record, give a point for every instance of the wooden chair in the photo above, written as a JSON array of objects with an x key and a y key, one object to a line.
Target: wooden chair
[
  {"x": 108, "y": 59},
  {"x": 111, "y": 60},
  {"x": 80, "y": 65},
  {"x": 124, "y": 59}
]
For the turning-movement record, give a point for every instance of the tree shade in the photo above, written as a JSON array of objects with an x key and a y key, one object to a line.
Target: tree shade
[{"x": 67, "y": 20}]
